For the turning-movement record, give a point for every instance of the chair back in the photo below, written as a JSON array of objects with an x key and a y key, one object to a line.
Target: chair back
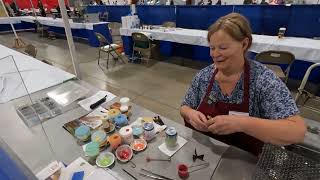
[
  {"x": 114, "y": 28},
  {"x": 275, "y": 57},
  {"x": 31, "y": 50},
  {"x": 102, "y": 40},
  {"x": 169, "y": 24},
  {"x": 140, "y": 40}
]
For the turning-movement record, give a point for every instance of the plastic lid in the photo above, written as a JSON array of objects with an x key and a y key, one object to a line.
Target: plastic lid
[
  {"x": 171, "y": 131},
  {"x": 98, "y": 136},
  {"x": 124, "y": 100},
  {"x": 83, "y": 130},
  {"x": 92, "y": 149},
  {"x": 121, "y": 119},
  {"x": 148, "y": 126},
  {"x": 137, "y": 130}
]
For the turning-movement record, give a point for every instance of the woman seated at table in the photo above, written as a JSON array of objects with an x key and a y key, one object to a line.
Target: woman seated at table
[{"x": 239, "y": 101}]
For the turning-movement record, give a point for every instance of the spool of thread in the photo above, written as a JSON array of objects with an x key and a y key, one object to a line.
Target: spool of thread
[
  {"x": 114, "y": 140},
  {"x": 126, "y": 134},
  {"x": 124, "y": 101},
  {"x": 183, "y": 171}
]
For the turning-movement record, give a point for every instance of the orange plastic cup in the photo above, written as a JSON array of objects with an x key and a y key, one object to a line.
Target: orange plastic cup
[{"x": 114, "y": 140}]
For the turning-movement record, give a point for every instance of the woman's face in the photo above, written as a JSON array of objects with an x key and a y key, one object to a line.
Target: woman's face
[{"x": 225, "y": 51}]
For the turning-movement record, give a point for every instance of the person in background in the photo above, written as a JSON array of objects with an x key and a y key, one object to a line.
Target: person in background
[
  {"x": 239, "y": 101},
  {"x": 219, "y": 2},
  {"x": 209, "y": 2},
  {"x": 264, "y": 2},
  {"x": 41, "y": 9}
]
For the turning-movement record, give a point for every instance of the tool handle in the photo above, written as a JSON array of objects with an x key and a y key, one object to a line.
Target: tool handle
[{"x": 98, "y": 103}]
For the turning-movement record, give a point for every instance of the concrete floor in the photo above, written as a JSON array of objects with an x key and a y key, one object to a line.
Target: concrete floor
[{"x": 158, "y": 86}]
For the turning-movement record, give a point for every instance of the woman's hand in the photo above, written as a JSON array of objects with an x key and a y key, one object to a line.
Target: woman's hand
[
  {"x": 197, "y": 120},
  {"x": 224, "y": 124}
]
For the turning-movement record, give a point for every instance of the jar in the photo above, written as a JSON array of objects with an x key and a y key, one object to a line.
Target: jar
[
  {"x": 126, "y": 134},
  {"x": 171, "y": 137},
  {"x": 281, "y": 32},
  {"x": 82, "y": 133},
  {"x": 137, "y": 130},
  {"x": 120, "y": 120},
  {"x": 149, "y": 132},
  {"x": 114, "y": 140},
  {"x": 92, "y": 151},
  {"x": 99, "y": 137}
]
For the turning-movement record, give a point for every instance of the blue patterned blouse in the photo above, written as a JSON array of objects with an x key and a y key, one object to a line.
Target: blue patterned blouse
[{"x": 269, "y": 96}]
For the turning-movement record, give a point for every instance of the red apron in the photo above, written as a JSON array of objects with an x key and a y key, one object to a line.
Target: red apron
[{"x": 208, "y": 107}]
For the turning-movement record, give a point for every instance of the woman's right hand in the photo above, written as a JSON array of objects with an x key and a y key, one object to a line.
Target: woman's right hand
[{"x": 197, "y": 119}]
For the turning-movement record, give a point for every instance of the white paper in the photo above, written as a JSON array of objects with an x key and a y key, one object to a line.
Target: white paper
[
  {"x": 169, "y": 152},
  {"x": 49, "y": 170},
  {"x": 94, "y": 123},
  {"x": 100, "y": 174},
  {"x": 93, "y": 99},
  {"x": 77, "y": 165}
]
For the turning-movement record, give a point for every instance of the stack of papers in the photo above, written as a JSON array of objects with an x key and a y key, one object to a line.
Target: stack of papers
[
  {"x": 79, "y": 169},
  {"x": 86, "y": 103}
]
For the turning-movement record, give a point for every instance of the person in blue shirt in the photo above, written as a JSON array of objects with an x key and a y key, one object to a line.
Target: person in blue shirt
[{"x": 239, "y": 101}]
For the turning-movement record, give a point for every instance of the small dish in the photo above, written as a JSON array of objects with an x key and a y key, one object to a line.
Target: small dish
[
  {"x": 105, "y": 159},
  {"x": 111, "y": 129},
  {"x": 124, "y": 153},
  {"x": 138, "y": 145},
  {"x": 108, "y": 127}
]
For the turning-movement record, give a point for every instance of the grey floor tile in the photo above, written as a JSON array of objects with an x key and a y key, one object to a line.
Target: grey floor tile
[
  {"x": 170, "y": 94},
  {"x": 159, "y": 108},
  {"x": 175, "y": 116},
  {"x": 110, "y": 87}
]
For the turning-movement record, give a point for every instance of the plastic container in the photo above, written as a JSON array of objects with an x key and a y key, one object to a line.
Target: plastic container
[
  {"x": 120, "y": 120},
  {"x": 92, "y": 151},
  {"x": 137, "y": 130},
  {"x": 105, "y": 159},
  {"x": 171, "y": 137},
  {"x": 149, "y": 132},
  {"x": 82, "y": 133},
  {"x": 114, "y": 140},
  {"x": 99, "y": 136},
  {"x": 126, "y": 134}
]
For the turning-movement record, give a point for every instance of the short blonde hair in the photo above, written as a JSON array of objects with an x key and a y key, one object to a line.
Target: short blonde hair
[{"x": 234, "y": 24}]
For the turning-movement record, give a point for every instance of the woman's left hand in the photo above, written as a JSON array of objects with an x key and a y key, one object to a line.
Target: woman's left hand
[{"x": 224, "y": 124}]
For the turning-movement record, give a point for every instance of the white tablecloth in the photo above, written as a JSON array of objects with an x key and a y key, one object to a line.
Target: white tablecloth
[
  {"x": 36, "y": 74},
  {"x": 8, "y": 20},
  {"x": 303, "y": 48},
  {"x": 58, "y": 22}
]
